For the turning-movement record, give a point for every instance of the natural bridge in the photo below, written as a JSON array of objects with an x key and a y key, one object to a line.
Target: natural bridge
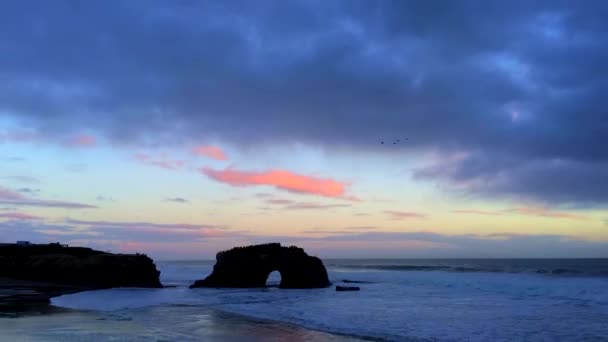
[{"x": 250, "y": 266}]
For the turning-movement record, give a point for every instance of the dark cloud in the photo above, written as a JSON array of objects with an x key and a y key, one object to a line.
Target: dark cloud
[
  {"x": 518, "y": 85},
  {"x": 29, "y": 191}
]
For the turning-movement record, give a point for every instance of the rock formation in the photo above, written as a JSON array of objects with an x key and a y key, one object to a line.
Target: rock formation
[
  {"x": 250, "y": 267},
  {"x": 347, "y": 288},
  {"x": 77, "y": 266}
]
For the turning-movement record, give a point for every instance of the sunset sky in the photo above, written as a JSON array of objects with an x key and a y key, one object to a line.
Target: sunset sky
[{"x": 180, "y": 128}]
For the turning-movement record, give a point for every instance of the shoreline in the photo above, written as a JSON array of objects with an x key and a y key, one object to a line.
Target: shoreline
[
  {"x": 19, "y": 297},
  {"x": 185, "y": 322}
]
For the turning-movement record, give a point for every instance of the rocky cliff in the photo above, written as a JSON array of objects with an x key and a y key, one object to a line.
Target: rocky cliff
[
  {"x": 77, "y": 266},
  {"x": 250, "y": 266}
]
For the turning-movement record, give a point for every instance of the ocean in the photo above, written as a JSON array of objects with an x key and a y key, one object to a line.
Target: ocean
[{"x": 400, "y": 300}]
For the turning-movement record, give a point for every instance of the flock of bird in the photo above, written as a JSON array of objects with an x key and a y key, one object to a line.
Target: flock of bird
[{"x": 394, "y": 142}]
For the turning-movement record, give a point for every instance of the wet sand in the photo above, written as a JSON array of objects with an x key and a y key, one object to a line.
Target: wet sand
[
  {"x": 22, "y": 296},
  {"x": 158, "y": 323}
]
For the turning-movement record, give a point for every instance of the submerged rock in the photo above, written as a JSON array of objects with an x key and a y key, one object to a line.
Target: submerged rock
[
  {"x": 250, "y": 266},
  {"x": 347, "y": 288},
  {"x": 77, "y": 266}
]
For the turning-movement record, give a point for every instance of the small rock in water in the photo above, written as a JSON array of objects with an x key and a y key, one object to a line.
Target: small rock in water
[
  {"x": 356, "y": 281},
  {"x": 347, "y": 288}
]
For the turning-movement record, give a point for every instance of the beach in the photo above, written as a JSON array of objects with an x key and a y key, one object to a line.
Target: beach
[{"x": 400, "y": 300}]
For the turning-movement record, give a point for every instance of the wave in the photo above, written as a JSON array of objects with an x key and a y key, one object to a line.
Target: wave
[{"x": 559, "y": 271}]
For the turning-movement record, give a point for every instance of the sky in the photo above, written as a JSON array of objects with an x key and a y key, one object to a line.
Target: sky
[{"x": 369, "y": 129}]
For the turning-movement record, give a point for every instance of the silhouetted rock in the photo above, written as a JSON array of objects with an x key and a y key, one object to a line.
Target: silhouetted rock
[
  {"x": 250, "y": 267},
  {"x": 347, "y": 288},
  {"x": 77, "y": 266}
]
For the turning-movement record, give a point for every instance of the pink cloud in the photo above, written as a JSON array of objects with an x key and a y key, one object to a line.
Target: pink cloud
[
  {"x": 281, "y": 179},
  {"x": 544, "y": 212},
  {"x": 83, "y": 141},
  {"x": 19, "y": 216},
  {"x": 210, "y": 151},
  {"x": 161, "y": 161},
  {"x": 401, "y": 215},
  {"x": 6, "y": 194},
  {"x": 309, "y": 205}
]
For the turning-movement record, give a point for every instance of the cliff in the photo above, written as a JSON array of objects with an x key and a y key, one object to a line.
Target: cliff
[{"x": 77, "y": 266}]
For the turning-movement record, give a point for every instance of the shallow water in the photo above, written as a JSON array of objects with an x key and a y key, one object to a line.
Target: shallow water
[{"x": 397, "y": 305}]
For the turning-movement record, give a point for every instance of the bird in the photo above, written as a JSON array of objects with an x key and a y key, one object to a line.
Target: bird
[{"x": 382, "y": 142}]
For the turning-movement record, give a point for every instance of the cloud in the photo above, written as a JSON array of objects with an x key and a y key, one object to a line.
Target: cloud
[
  {"x": 315, "y": 206},
  {"x": 7, "y": 194},
  {"x": 477, "y": 212},
  {"x": 101, "y": 198},
  {"x": 18, "y": 216},
  {"x": 22, "y": 179},
  {"x": 346, "y": 230},
  {"x": 213, "y": 152},
  {"x": 263, "y": 195},
  {"x": 526, "y": 210},
  {"x": 83, "y": 140},
  {"x": 279, "y": 201},
  {"x": 177, "y": 200},
  {"x": 13, "y": 198},
  {"x": 33, "y": 136},
  {"x": 29, "y": 191},
  {"x": 368, "y": 241},
  {"x": 544, "y": 212},
  {"x": 143, "y": 225},
  {"x": 402, "y": 215},
  {"x": 161, "y": 161},
  {"x": 47, "y": 204},
  {"x": 294, "y": 205},
  {"x": 269, "y": 74},
  {"x": 280, "y": 179},
  {"x": 92, "y": 231}
]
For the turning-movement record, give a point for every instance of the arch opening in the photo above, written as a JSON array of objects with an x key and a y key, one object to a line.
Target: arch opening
[{"x": 273, "y": 279}]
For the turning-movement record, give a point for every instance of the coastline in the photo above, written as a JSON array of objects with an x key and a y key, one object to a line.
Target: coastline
[
  {"x": 180, "y": 322},
  {"x": 21, "y": 297}
]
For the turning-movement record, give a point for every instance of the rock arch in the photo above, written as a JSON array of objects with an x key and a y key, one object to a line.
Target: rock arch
[{"x": 250, "y": 266}]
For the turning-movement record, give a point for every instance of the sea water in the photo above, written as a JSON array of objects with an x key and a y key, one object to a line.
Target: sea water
[{"x": 400, "y": 300}]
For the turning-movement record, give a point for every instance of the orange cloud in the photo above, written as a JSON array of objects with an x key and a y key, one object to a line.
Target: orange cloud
[
  {"x": 401, "y": 215},
  {"x": 281, "y": 179},
  {"x": 544, "y": 212},
  {"x": 210, "y": 151}
]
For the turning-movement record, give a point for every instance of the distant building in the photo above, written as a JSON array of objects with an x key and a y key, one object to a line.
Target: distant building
[{"x": 24, "y": 243}]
